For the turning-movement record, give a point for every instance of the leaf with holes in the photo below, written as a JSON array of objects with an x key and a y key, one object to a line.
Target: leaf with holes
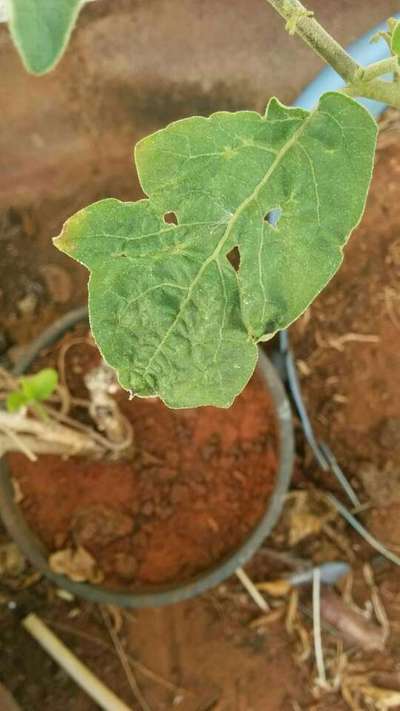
[
  {"x": 167, "y": 308},
  {"x": 40, "y": 30}
]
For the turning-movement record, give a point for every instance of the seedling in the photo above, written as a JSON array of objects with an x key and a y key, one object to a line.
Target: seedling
[
  {"x": 32, "y": 391},
  {"x": 27, "y": 425}
]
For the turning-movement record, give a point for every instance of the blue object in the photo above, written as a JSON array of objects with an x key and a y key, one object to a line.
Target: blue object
[
  {"x": 330, "y": 573},
  {"x": 328, "y": 80}
]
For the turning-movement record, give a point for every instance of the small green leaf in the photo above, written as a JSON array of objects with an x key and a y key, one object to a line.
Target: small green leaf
[
  {"x": 39, "y": 386},
  {"x": 40, "y": 30},
  {"x": 167, "y": 308},
  {"x": 395, "y": 40},
  {"x": 16, "y": 400}
]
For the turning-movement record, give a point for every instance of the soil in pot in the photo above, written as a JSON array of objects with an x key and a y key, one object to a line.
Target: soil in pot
[{"x": 194, "y": 486}]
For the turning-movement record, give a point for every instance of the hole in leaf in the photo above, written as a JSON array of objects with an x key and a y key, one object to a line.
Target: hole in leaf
[
  {"x": 273, "y": 216},
  {"x": 170, "y": 218},
  {"x": 234, "y": 258}
]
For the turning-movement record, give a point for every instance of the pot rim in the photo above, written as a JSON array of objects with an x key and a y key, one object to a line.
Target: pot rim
[{"x": 150, "y": 596}]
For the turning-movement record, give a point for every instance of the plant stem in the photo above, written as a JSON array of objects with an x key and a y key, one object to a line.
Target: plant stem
[
  {"x": 297, "y": 16},
  {"x": 360, "y": 81},
  {"x": 379, "y": 90},
  {"x": 390, "y": 65},
  {"x": 49, "y": 435}
]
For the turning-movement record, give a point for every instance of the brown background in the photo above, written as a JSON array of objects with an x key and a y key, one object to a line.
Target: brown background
[{"x": 133, "y": 66}]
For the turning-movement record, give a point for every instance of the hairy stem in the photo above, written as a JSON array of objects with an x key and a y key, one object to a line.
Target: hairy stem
[
  {"x": 377, "y": 69},
  {"x": 360, "y": 81},
  {"x": 386, "y": 91},
  {"x": 299, "y": 17}
]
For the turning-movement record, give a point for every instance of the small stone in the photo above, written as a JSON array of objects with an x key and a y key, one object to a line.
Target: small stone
[
  {"x": 65, "y": 595},
  {"x": 148, "y": 509},
  {"x": 211, "y": 522},
  {"x": 239, "y": 476},
  {"x": 125, "y": 565},
  {"x": 389, "y": 433},
  {"x": 99, "y": 525},
  {"x": 27, "y": 305},
  {"x": 18, "y": 495},
  {"x": 12, "y": 562}
]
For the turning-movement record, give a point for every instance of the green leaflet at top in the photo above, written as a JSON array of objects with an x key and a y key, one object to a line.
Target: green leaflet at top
[
  {"x": 40, "y": 30},
  {"x": 167, "y": 308},
  {"x": 395, "y": 39}
]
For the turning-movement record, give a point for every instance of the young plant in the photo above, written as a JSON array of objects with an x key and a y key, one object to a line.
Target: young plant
[
  {"x": 167, "y": 309},
  {"x": 40, "y": 30},
  {"x": 27, "y": 425},
  {"x": 32, "y": 391}
]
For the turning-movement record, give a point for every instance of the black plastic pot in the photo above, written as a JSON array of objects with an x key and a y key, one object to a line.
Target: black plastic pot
[{"x": 36, "y": 552}]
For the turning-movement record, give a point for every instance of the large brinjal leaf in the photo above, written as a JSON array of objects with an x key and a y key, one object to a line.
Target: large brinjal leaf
[{"x": 167, "y": 308}]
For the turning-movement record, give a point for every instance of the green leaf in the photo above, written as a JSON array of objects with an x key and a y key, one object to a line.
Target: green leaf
[
  {"x": 33, "y": 388},
  {"x": 395, "y": 39},
  {"x": 167, "y": 309},
  {"x": 16, "y": 400},
  {"x": 40, "y": 30},
  {"x": 39, "y": 386}
]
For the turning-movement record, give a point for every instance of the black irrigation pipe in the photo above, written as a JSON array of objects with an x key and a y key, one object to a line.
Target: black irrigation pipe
[{"x": 284, "y": 361}]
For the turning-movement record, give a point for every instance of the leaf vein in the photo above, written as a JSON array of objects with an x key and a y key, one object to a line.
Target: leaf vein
[{"x": 230, "y": 225}]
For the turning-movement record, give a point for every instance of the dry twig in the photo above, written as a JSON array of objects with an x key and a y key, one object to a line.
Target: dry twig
[
  {"x": 319, "y": 654},
  {"x": 252, "y": 590},
  {"x": 105, "y": 698},
  {"x": 141, "y": 668},
  {"x": 124, "y": 662}
]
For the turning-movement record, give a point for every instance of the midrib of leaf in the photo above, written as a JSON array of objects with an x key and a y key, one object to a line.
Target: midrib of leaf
[
  {"x": 230, "y": 226},
  {"x": 311, "y": 164}
]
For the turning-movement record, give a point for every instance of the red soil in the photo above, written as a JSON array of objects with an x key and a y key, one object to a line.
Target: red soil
[{"x": 197, "y": 484}]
